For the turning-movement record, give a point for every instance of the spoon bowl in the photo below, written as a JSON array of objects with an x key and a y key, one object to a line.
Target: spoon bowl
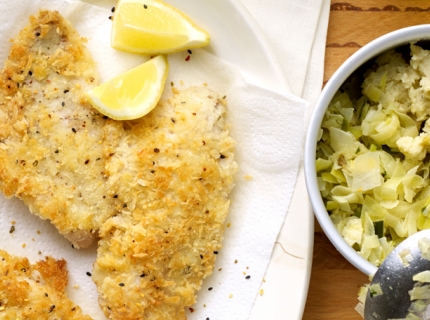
[{"x": 395, "y": 278}]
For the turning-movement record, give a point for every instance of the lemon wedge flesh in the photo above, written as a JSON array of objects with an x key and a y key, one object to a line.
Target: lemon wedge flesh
[
  {"x": 132, "y": 94},
  {"x": 154, "y": 27}
]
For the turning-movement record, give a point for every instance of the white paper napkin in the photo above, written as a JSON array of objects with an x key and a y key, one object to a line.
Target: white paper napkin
[
  {"x": 297, "y": 31},
  {"x": 268, "y": 154}
]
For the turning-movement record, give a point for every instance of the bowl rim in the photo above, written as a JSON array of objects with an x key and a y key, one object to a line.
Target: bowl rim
[{"x": 364, "y": 54}]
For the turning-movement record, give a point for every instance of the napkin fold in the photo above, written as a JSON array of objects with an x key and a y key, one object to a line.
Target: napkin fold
[
  {"x": 296, "y": 30},
  {"x": 268, "y": 127}
]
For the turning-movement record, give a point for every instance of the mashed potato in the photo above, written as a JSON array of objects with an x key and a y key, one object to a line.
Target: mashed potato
[{"x": 372, "y": 163}]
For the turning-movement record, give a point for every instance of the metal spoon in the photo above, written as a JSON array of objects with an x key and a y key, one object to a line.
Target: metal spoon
[{"x": 395, "y": 280}]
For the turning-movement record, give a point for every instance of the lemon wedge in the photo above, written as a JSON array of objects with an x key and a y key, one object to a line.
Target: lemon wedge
[
  {"x": 133, "y": 93},
  {"x": 154, "y": 27}
]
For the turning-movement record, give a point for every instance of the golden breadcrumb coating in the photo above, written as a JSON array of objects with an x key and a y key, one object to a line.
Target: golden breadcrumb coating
[
  {"x": 51, "y": 150},
  {"x": 35, "y": 291},
  {"x": 173, "y": 171}
]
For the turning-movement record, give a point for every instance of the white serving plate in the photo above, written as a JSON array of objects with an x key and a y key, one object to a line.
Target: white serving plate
[{"x": 235, "y": 38}]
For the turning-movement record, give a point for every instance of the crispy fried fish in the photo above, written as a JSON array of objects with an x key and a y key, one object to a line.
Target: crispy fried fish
[
  {"x": 51, "y": 150},
  {"x": 173, "y": 171},
  {"x": 35, "y": 291}
]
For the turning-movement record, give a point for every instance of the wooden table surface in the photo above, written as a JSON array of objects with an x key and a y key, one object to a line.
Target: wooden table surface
[{"x": 334, "y": 282}]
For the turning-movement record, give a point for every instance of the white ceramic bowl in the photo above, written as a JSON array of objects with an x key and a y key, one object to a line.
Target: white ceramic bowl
[{"x": 367, "y": 52}]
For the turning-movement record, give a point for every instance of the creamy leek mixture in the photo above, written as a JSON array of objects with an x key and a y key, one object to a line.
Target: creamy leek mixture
[{"x": 372, "y": 162}]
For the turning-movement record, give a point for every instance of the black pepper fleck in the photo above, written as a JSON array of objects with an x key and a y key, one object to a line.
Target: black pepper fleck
[
  {"x": 113, "y": 9},
  {"x": 215, "y": 252},
  {"x": 124, "y": 205},
  {"x": 74, "y": 130},
  {"x": 63, "y": 104},
  {"x": 37, "y": 34},
  {"x": 121, "y": 284},
  {"x": 52, "y": 308},
  {"x": 87, "y": 161},
  {"x": 248, "y": 277},
  {"x": 30, "y": 73},
  {"x": 65, "y": 91},
  {"x": 88, "y": 274},
  {"x": 189, "y": 51},
  {"x": 12, "y": 229},
  {"x": 222, "y": 156},
  {"x": 156, "y": 150},
  {"x": 145, "y": 6},
  {"x": 210, "y": 288},
  {"x": 115, "y": 196}
]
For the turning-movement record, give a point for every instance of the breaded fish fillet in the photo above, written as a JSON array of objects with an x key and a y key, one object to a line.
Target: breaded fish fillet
[
  {"x": 35, "y": 291},
  {"x": 51, "y": 150},
  {"x": 173, "y": 171}
]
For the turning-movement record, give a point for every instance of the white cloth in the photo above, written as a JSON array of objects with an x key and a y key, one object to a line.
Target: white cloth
[{"x": 268, "y": 151}]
